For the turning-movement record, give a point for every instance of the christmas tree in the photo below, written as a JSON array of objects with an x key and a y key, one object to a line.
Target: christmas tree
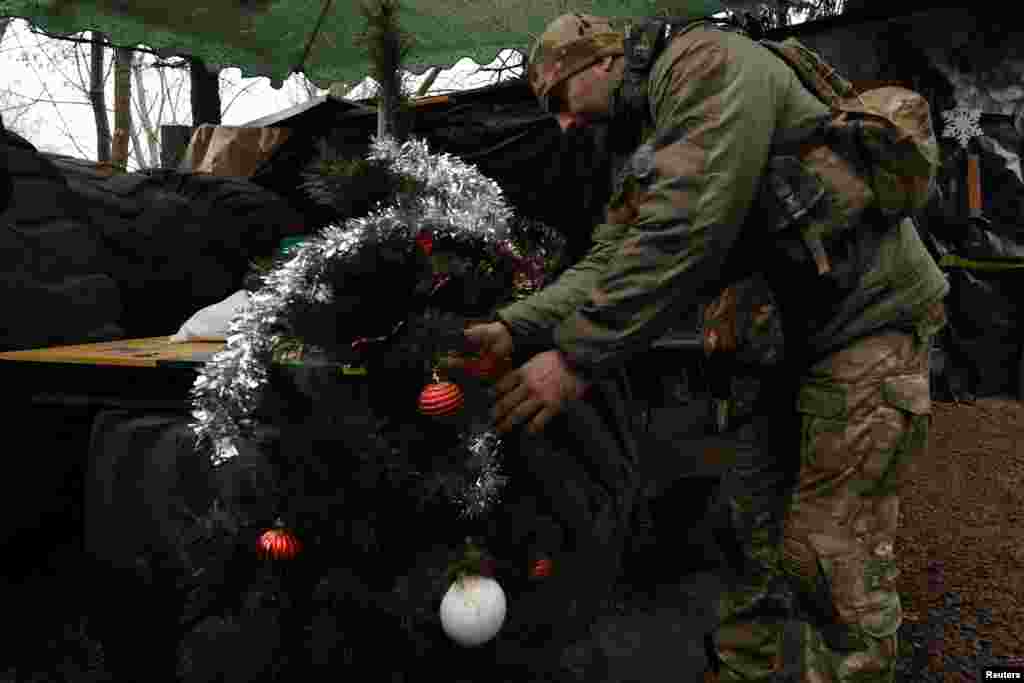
[{"x": 381, "y": 484}]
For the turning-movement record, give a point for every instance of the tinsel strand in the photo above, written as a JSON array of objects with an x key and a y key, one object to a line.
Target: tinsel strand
[{"x": 453, "y": 199}]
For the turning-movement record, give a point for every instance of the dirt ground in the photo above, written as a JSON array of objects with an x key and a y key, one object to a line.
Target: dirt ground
[
  {"x": 962, "y": 540},
  {"x": 962, "y": 556}
]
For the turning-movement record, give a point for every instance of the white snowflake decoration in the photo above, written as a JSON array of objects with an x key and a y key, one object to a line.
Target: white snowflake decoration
[{"x": 963, "y": 124}]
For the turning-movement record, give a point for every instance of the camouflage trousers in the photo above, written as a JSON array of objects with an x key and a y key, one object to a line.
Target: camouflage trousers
[{"x": 812, "y": 542}]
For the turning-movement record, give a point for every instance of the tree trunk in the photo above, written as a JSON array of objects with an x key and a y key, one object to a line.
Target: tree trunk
[
  {"x": 137, "y": 147},
  {"x": 205, "y": 93},
  {"x": 97, "y": 98},
  {"x": 122, "y": 108},
  {"x": 143, "y": 123}
]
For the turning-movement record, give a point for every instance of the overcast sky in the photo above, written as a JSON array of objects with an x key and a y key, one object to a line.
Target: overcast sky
[{"x": 61, "y": 119}]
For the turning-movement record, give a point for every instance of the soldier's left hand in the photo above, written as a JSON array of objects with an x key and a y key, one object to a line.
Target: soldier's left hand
[{"x": 536, "y": 392}]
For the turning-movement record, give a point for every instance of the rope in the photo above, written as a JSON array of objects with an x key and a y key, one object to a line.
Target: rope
[{"x": 316, "y": 30}]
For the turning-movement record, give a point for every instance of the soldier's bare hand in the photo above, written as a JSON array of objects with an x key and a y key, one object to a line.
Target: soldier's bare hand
[
  {"x": 536, "y": 392},
  {"x": 491, "y": 339}
]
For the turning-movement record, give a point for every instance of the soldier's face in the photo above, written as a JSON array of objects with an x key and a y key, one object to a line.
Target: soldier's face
[{"x": 586, "y": 96}]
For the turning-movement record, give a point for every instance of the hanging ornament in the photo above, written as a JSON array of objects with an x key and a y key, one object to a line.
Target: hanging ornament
[
  {"x": 486, "y": 481},
  {"x": 425, "y": 241},
  {"x": 278, "y": 543},
  {"x": 541, "y": 568},
  {"x": 473, "y": 610},
  {"x": 963, "y": 124},
  {"x": 485, "y": 366},
  {"x": 450, "y": 196},
  {"x": 440, "y": 399}
]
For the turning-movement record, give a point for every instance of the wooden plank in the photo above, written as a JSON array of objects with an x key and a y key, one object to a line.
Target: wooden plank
[
  {"x": 140, "y": 353},
  {"x": 974, "y": 185},
  {"x": 154, "y": 352}
]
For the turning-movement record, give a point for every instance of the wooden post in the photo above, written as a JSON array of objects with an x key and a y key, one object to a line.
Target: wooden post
[
  {"x": 205, "y": 93},
  {"x": 974, "y": 204},
  {"x": 174, "y": 141}
]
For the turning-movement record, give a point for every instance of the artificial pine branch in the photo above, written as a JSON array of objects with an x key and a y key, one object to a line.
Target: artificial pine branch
[{"x": 387, "y": 45}]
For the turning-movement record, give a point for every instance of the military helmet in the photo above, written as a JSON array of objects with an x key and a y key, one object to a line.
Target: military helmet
[{"x": 569, "y": 44}]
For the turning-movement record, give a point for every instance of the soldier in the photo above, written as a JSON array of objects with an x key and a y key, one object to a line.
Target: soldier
[{"x": 809, "y": 522}]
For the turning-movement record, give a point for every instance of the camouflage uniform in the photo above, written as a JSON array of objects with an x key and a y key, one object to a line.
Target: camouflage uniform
[{"x": 809, "y": 520}]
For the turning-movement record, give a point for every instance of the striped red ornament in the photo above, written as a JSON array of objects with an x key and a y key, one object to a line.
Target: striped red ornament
[
  {"x": 541, "y": 568},
  {"x": 279, "y": 544},
  {"x": 484, "y": 366},
  {"x": 440, "y": 399}
]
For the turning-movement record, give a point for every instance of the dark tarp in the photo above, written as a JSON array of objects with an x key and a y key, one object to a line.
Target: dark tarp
[
  {"x": 178, "y": 241},
  {"x": 984, "y": 260},
  {"x": 563, "y": 180},
  {"x": 132, "y": 255},
  {"x": 53, "y": 262}
]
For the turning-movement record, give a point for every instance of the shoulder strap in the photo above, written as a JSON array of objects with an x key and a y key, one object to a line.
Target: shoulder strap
[
  {"x": 643, "y": 43},
  {"x": 818, "y": 76}
]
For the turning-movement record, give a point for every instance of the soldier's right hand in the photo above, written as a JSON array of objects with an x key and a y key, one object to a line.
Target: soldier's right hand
[
  {"x": 490, "y": 359},
  {"x": 491, "y": 339}
]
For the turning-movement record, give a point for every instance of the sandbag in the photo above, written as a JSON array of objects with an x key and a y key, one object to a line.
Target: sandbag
[
  {"x": 179, "y": 241},
  {"x": 52, "y": 259}
]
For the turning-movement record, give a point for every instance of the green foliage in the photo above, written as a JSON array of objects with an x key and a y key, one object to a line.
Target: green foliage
[
  {"x": 387, "y": 46},
  {"x": 349, "y": 188}
]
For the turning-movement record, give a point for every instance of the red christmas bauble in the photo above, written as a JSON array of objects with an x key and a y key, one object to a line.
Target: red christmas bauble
[
  {"x": 541, "y": 568},
  {"x": 441, "y": 398},
  {"x": 486, "y": 366},
  {"x": 279, "y": 544},
  {"x": 425, "y": 241},
  {"x": 487, "y": 567}
]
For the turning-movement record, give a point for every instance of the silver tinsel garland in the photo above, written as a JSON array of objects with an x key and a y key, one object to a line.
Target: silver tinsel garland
[
  {"x": 484, "y": 489},
  {"x": 454, "y": 199}
]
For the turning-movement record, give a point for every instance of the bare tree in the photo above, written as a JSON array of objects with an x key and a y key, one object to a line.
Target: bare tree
[
  {"x": 98, "y": 98},
  {"x": 151, "y": 90},
  {"x": 227, "y": 85},
  {"x": 512, "y": 64},
  {"x": 45, "y": 65},
  {"x": 122, "y": 108},
  {"x": 143, "y": 120}
]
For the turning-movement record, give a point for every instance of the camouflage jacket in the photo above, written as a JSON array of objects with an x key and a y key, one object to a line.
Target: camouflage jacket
[{"x": 718, "y": 101}]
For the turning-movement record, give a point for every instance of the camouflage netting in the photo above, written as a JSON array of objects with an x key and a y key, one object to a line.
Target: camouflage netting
[{"x": 269, "y": 38}]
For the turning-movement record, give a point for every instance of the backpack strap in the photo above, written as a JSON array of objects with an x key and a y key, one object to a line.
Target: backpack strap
[
  {"x": 643, "y": 43},
  {"x": 819, "y": 77}
]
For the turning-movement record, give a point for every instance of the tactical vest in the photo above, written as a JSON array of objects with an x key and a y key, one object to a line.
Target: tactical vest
[{"x": 871, "y": 162}]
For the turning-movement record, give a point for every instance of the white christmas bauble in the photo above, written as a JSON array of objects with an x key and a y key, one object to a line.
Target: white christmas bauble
[{"x": 473, "y": 610}]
